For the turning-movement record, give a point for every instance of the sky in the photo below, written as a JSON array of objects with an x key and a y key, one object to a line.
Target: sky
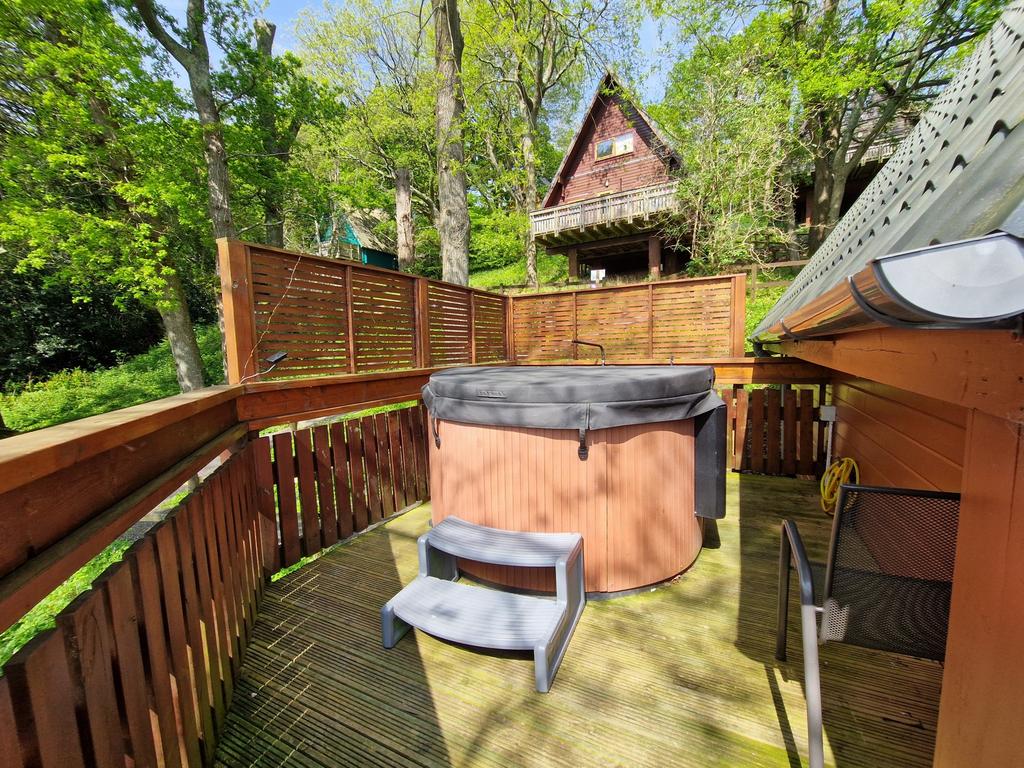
[{"x": 284, "y": 14}]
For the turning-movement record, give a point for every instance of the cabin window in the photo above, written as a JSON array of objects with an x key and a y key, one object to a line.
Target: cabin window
[{"x": 620, "y": 145}]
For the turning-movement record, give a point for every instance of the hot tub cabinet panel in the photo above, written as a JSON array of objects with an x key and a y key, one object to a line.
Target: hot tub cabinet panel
[
  {"x": 524, "y": 479},
  {"x": 632, "y": 493}
]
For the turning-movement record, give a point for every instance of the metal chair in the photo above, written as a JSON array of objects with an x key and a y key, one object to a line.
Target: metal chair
[{"x": 886, "y": 586}]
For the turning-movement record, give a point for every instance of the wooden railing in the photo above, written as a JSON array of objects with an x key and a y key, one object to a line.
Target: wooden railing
[
  {"x": 671, "y": 319},
  {"x": 334, "y": 317},
  {"x": 322, "y": 484},
  {"x": 776, "y": 431},
  {"x": 606, "y": 209},
  {"x": 140, "y": 669},
  {"x": 758, "y": 271}
]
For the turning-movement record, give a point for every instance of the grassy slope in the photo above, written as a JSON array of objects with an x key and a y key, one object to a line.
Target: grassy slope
[
  {"x": 758, "y": 308},
  {"x": 76, "y": 394},
  {"x": 551, "y": 268}
]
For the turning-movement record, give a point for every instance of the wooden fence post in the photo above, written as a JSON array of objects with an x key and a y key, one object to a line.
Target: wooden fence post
[
  {"x": 650, "y": 321},
  {"x": 738, "y": 316},
  {"x": 238, "y": 310},
  {"x": 472, "y": 325},
  {"x": 422, "y": 323},
  {"x": 510, "y": 338}
]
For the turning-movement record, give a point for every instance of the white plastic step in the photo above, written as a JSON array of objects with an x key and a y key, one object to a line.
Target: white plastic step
[
  {"x": 475, "y": 615},
  {"x": 500, "y": 547}
]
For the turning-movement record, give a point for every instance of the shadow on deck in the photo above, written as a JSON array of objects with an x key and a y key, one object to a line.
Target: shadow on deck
[{"x": 679, "y": 676}]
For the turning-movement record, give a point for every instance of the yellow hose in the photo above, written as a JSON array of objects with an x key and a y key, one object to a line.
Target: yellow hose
[{"x": 841, "y": 472}]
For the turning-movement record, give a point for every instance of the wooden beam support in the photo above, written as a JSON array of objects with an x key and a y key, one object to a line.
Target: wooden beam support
[
  {"x": 654, "y": 257},
  {"x": 974, "y": 369},
  {"x": 239, "y": 320},
  {"x": 983, "y": 683}
]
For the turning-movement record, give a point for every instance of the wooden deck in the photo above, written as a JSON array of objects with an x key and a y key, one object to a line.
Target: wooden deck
[{"x": 680, "y": 676}]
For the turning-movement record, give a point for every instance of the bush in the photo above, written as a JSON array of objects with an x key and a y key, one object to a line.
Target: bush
[
  {"x": 498, "y": 239},
  {"x": 75, "y": 394}
]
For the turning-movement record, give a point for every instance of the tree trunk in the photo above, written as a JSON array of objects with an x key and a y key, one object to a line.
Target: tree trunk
[
  {"x": 827, "y": 200},
  {"x": 188, "y": 363},
  {"x": 530, "y": 163},
  {"x": 275, "y": 149},
  {"x": 218, "y": 187},
  {"x": 403, "y": 219},
  {"x": 453, "y": 217}
]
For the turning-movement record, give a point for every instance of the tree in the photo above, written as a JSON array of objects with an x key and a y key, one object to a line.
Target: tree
[
  {"x": 727, "y": 109},
  {"x": 531, "y": 53},
  {"x": 453, "y": 220},
  {"x": 189, "y": 47},
  {"x": 857, "y": 66},
  {"x": 269, "y": 99},
  {"x": 98, "y": 182},
  {"x": 381, "y": 152},
  {"x": 852, "y": 66}
]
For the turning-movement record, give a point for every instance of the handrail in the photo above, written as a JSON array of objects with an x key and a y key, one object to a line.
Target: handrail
[
  {"x": 792, "y": 553},
  {"x": 612, "y": 207}
]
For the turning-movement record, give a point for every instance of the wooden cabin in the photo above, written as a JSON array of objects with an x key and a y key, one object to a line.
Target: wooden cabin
[{"x": 606, "y": 204}]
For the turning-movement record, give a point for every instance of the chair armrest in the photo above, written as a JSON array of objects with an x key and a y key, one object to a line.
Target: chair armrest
[{"x": 798, "y": 556}]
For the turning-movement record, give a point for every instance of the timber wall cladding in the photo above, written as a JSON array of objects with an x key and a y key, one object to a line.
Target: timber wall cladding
[
  {"x": 675, "y": 319},
  {"x": 336, "y": 317},
  {"x": 586, "y": 177},
  {"x": 140, "y": 668},
  {"x": 320, "y": 485},
  {"x": 898, "y": 438}
]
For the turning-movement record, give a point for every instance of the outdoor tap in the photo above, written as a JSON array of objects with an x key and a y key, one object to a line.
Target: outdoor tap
[{"x": 592, "y": 344}]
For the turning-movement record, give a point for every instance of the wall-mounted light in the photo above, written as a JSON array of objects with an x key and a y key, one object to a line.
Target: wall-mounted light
[{"x": 273, "y": 358}]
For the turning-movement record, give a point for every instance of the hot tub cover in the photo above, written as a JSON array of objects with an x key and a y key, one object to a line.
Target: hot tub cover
[{"x": 571, "y": 396}]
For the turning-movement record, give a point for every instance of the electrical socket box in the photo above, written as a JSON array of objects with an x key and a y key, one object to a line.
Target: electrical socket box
[{"x": 827, "y": 413}]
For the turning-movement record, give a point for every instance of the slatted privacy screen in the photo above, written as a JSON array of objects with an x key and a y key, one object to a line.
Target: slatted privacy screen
[
  {"x": 775, "y": 430},
  {"x": 140, "y": 669},
  {"x": 675, "y": 319},
  {"x": 384, "y": 320},
  {"x": 322, "y": 484},
  {"x": 335, "y": 316},
  {"x": 301, "y": 306}
]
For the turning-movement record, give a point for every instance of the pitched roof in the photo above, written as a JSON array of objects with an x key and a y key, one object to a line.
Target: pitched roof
[
  {"x": 959, "y": 174},
  {"x": 609, "y": 85}
]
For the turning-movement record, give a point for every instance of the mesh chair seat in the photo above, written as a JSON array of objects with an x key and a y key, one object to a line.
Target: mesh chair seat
[{"x": 887, "y": 584}]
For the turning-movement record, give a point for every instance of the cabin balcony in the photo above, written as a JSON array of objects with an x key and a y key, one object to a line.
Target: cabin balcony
[{"x": 598, "y": 218}]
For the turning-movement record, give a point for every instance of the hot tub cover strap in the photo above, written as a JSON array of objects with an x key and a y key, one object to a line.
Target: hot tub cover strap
[{"x": 571, "y": 397}]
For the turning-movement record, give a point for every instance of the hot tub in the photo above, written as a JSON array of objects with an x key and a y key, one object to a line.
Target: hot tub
[{"x": 631, "y": 457}]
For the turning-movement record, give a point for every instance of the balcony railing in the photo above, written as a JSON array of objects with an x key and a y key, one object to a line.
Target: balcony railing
[{"x": 607, "y": 209}]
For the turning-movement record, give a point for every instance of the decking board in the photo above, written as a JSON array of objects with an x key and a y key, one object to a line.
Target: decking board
[{"x": 679, "y": 676}]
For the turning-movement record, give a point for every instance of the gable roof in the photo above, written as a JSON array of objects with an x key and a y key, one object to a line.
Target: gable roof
[
  {"x": 608, "y": 86},
  {"x": 958, "y": 175}
]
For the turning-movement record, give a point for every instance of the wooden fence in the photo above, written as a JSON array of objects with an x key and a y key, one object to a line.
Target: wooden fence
[
  {"x": 758, "y": 272},
  {"x": 336, "y": 317},
  {"x": 672, "y": 319},
  {"x": 775, "y": 431},
  {"x": 140, "y": 668},
  {"x": 324, "y": 483}
]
